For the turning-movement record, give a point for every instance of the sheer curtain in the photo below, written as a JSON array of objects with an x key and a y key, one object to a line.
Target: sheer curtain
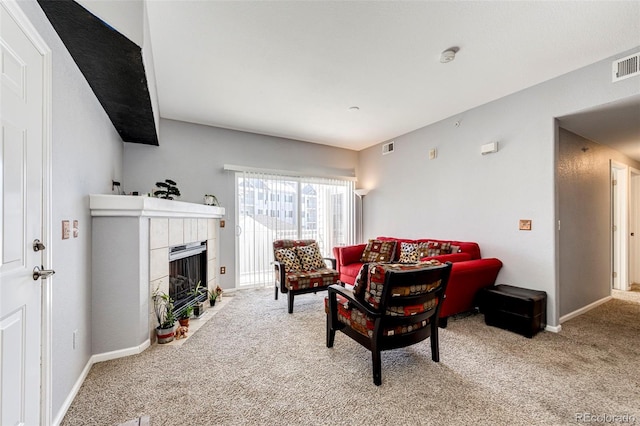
[{"x": 272, "y": 206}]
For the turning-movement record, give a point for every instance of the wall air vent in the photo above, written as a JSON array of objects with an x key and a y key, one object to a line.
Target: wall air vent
[
  {"x": 626, "y": 67},
  {"x": 387, "y": 148}
]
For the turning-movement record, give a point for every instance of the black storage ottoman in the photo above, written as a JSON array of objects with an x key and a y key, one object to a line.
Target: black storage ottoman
[{"x": 516, "y": 309}]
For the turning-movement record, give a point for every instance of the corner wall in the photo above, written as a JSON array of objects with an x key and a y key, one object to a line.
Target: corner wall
[
  {"x": 464, "y": 195},
  {"x": 87, "y": 155},
  {"x": 193, "y": 155}
]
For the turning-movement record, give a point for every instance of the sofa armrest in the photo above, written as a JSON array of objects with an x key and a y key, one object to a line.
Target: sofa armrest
[
  {"x": 349, "y": 254},
  {"x": 466, "y": 279}
]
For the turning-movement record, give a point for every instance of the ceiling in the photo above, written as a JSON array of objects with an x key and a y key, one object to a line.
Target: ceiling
[
  {"x": 616, "y": 124},
  {"x": 293, "y": 69}
]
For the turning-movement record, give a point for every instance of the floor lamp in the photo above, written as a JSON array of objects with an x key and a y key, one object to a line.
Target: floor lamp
[{"x": 361, "y": 193}]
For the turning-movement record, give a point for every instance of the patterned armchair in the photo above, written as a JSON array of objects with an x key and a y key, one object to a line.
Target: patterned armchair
[
  {"x": 301, "y": 269},
  {"x": 391, "y": 306}
]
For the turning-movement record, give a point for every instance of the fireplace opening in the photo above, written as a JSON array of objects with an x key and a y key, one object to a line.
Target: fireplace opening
[{"x": 187, "y": 268}]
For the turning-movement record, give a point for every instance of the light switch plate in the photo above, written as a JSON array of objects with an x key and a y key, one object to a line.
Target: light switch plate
[
  {"x": 66, "y": 230},
  {"x": 525, "y": 225},
  {"x": 75, "y": 229}
]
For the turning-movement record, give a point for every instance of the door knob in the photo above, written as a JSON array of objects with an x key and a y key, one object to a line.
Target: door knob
[
  {"x": 37, "y": 245},
  {"x": 42, "y": 273}
]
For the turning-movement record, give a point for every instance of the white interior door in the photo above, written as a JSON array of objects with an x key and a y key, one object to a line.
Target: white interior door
[
  {"x": 21, "y": 172},
  {"x": 634, "y": 228},
  {"x": 620, "y": 266}
]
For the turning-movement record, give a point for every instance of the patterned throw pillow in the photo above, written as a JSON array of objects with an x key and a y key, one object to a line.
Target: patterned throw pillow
[
  {"x": 289, "y": 259},
  {"x": 310, "y": 258},
  {"x": 409, "y": 253},
  {"x": 436, "y": 249},
  {"x": 378, "y": 251},
  {"x": 360, "y": 286}
]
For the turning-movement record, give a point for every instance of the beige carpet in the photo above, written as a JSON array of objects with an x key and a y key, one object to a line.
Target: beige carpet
[{"x": 254, "y": 364}]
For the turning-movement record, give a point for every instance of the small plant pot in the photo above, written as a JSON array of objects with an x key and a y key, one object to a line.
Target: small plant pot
[
  {"x": 165, "y": 335},
  {"x": 212, "y": 302},
  {"x": 198, "y": 310},
  {"x": 184, "y": 322}
]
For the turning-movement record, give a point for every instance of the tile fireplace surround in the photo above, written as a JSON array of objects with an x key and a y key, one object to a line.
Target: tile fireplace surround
[{"x": 131, "y": 237}]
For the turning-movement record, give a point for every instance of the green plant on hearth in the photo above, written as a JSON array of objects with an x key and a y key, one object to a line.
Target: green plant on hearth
[
  {"x": 214, "y": 295},
  {"x": 198, "y": 290},
  {"x": 163, "y": 308},
  {"x": 168, "y": 189},
  {"x": 188, "y": 311}
]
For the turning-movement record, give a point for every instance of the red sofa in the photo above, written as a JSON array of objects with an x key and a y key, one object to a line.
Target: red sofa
[{"x": 469, "y": 273}]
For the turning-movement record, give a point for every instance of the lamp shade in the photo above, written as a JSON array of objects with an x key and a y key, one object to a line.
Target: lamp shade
[{"x": 361, "y": 192}]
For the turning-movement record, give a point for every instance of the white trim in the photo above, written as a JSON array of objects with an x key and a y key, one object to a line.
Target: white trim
[
  {"x": 85, "y": 371},
  {"x": 553, "y": 328},
  {"x": 133, "y": 206},
  {"x": 72, "y": 394},
  {"x": 584, "y": 309},
  {"x": 120, "y": 353},
  {"x": 236, "y": 168},
  {"x": 18, "y": 15}
]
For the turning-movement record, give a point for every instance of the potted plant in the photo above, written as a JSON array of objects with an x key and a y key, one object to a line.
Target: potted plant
[
  {"x": 186, "y": 314},
  {"x": 163, "y": 308},
  {"x": 210, "y": 200},
  {"x": 198, "y": 306},
  {"x": 168, "y": 190},
  {"x": 212, "y": 297}
]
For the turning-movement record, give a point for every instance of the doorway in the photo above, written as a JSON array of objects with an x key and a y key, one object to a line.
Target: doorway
[
  {"x": 634, "y": 229},
  {"x": 619, "y": 222},
  {"x": 25, "y": 220}
]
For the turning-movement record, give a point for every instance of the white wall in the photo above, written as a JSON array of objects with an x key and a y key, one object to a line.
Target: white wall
[
  {"x": 193, "y": 155},
  {"x": 87, "y": 154},
  {"x": 463, "y": 195}
]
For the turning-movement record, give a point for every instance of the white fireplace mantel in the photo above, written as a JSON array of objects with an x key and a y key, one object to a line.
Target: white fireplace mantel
[
  {"x": 136, "y": 206},
  {"x": 131, "y": 239}
]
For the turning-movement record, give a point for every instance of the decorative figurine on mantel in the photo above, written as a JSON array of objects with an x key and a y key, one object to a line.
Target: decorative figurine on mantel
[
  {"x": 168, "y": 190},
  {"x": 210, "y": 200}
]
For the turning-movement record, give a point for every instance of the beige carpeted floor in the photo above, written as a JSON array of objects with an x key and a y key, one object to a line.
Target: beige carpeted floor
[{"x": 254, "y": 364}]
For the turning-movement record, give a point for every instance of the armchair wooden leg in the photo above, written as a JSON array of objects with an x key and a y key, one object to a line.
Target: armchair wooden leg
[
  {"x": 290, "y": 301},
  {"x": 276, "y": 291},
  {"x": 377, "y": 367},
  {"x": 435, "y": 344},
  {"x": 331, "y": 332},
  {"x": 442, "y": 322}
]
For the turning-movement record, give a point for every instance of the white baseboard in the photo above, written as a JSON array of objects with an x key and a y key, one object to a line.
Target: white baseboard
[
  {"x": 106, "y": 356},
  {"x": 74, "y": 391},
  {"x": 85, "y": 371},
  {"x": 584, "y": 309},
  {"x": 553, "y": 328}
]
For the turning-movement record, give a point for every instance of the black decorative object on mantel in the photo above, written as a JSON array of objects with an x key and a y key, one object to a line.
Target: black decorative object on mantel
[{"x": 168, "y": 189}]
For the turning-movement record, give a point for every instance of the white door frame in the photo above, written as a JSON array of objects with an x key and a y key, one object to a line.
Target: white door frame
[
  {"x": 634, "y": 225},
  {"x": 620, "y": 219},
  {"x": 46, "y": 332}
]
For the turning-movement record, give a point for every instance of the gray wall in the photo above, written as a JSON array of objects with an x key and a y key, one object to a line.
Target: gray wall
[
  {"x": 193, "y": 155},
  {"x": 466, "y": 196},
  {"x": 87, "y": 154},
  {"x": 584, "y": 208}
]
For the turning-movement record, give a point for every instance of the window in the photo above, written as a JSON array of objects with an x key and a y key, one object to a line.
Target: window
[{"x": 298, "y": 208}]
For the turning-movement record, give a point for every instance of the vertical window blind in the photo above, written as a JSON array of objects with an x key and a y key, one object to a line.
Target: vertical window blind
[{"x": 272, "y": 207}]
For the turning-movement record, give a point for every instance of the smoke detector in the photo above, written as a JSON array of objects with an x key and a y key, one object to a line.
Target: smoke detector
[{"x": 448, "y": 55}]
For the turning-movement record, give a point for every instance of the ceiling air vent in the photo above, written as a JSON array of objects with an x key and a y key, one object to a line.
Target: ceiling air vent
[
  {"x": 626, "y": 67},
  {"x": 387, "y": 148}
]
